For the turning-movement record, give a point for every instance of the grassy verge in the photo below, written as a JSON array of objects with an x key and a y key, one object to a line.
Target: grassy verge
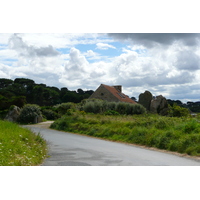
[
  {"x": 20, "y": 146},
  {"x": 174, "y": 134}
]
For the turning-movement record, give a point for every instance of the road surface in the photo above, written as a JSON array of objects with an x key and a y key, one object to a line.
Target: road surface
[{"x": 67, "y": 149}]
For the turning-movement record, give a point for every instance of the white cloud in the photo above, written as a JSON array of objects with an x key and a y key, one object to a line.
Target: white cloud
[
  {"x": 23, "y": 49},
  {"x": 104, "y": 46},
  {"x": 91, "y": 55}
]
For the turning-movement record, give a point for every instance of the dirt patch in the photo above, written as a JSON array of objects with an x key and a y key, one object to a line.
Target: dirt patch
[{"x": 43, "y": 124}]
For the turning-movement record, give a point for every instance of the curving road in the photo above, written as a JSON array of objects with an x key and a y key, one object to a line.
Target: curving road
[{"x": 67, "y": 149}]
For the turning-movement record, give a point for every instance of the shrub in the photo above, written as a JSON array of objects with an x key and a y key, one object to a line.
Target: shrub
[
  {"x": 138, "y": 109},
  {"x": 111, "y": 105},
  {"x": 28, "y": 113},
  {"x": 122, "y": 108},
  {"x": 111, "y": 112},
  {"x": 100, "y": 106},
  {"x": 177, "y": 111},
  {"x": 94, "y": 106},
  {"x": 192, "y": 126},
  {"x": 63, "y": 107},
  {"x": 49, "y": 114}
]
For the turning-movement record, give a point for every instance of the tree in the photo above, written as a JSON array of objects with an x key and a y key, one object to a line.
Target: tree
[
  {"x": 80, "y": 91},
  {"x": 4, "y": 82}
]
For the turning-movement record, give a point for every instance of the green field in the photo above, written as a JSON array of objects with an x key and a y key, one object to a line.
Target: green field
[
  {"x": 170, "y": 133},
  {"x": 20, "y": 146}
]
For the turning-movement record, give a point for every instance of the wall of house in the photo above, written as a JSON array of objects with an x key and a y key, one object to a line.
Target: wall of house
[{"x": 104, "y": 94}]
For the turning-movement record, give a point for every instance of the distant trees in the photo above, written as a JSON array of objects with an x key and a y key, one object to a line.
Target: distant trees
[
  {"x": 192, "y": 106},
  {"x": 23, "y": 90}
]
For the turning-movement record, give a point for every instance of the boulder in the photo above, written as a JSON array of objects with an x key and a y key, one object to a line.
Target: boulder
[
  {"x": 159, "y": 105},
  {"x": 13, "y": 114},
  {"x": 145, "y": 99},
  {"x": 38, "y": 119}
]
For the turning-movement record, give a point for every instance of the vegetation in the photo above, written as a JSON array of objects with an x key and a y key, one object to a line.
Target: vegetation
[
  {"x": 100, "y": 106},
  {"x": 74, "y": 112},
  {"x": 20, "y": 146},
  {"x": 29, "y": 113},
  {"x": 171, "y": 133},
  {"x": 22, "y": 91},
  {"x": 178, "y": 111}
]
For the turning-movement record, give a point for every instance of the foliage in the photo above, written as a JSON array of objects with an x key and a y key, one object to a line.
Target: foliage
[
  {"x": 32, "y": 93},
  {"x": 20, "y": 146},
  {"x": 111, "y": 112},
  {"x": 171, "y": 133},
  {"x": 50, "y": 114},
  {"x": 64, "y": 107},
  {"x": 177, "y": 111},
  {"x": 29, "y": 113},
  {"x": 100, "y": 106}
]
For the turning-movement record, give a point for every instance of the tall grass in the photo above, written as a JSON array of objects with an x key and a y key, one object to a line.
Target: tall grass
[
  {"x": 20, "y": 146},
  {"x": 174, "y": 134}
]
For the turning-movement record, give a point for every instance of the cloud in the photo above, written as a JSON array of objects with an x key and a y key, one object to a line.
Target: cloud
[
  {"x": 4, "y": 71},
  {"x": 75, "y": 68},
  {"x": 104, "y": 46},
  {"x": 91, "y": 55},
  {"x": 187, "y": 60},
  {"x": 17, "y": 43},
  {"x": 152, "y": 39}
]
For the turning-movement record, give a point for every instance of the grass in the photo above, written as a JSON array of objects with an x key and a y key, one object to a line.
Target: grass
[
  {"x": 170, "y": 133},
  {"x": 20, "y": 146}
]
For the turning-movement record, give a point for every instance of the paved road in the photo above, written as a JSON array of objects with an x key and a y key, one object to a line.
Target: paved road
[{"x": 67, "y": 149}]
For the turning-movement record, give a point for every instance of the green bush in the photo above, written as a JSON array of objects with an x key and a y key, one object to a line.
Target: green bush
[
  {"x": 94, "y": 106},
  {"x": 192, "y": 126},
  {"x": 28, "y": 113},
  {"x": 111, "y": 112},
  {"x": 50, "y": 114},
  {"x": 177, "y": 111},
  {"x": 111, "y": 105},
  {"x": 64, "y": 107},
  {"x": 100, "y": 106}
]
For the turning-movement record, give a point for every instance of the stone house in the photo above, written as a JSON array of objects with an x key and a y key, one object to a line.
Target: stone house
[{"x": 111, "y": 94}]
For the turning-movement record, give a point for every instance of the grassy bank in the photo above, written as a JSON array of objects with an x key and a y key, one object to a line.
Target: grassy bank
[
  {"x": 19, "y": 146},
  {"x": 174, "y": 134}
]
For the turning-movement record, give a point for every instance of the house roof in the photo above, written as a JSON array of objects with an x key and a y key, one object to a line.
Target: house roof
[{"x": 121, "y": 96}]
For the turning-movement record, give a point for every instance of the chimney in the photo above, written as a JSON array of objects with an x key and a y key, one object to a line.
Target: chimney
[{"x": 118, "y": 87}]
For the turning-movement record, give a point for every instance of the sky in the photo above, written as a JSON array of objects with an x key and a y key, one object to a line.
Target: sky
[{"x": 165, "y": 64}]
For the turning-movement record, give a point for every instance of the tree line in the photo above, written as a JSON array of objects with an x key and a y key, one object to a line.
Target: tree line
[
  {"x": 22, "y": 90},
  {"x": 192, "y": 106}
]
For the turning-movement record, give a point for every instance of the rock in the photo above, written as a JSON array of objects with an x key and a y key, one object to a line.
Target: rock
[
  {"x": 13, "y": 114},
  {"x": 38, "y": 119},
  {"x": 159, "y": 105},
  {"x": 145, "y": 99}
]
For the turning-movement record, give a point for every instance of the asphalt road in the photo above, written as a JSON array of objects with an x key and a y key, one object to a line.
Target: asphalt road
[{"x": 67, "y": 149}]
